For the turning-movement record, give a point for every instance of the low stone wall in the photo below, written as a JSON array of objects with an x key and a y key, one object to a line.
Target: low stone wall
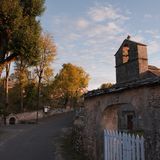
[
  {"x": 81, "y": 139},
  {"x": 77, "y": 133},
  {"x": 31, "y": 116}
]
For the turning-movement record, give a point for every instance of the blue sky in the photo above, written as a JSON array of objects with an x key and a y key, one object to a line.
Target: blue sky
[{"x": 89, "y": 32}]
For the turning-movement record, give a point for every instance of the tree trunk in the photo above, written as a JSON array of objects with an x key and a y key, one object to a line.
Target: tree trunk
[
  {"x": 38, "y": 94},
  {"x": 21, "y": 98},
  {"x": 1, "y": 71},
  {"x": 21, "y": 88},
  {"x": 6, "y": 92}
]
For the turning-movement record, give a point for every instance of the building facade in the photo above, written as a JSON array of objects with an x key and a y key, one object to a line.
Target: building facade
[{"x": 131, "y": 105}]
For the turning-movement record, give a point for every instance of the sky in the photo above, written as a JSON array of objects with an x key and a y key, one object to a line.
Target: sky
[{"x": 88, "y": 33}]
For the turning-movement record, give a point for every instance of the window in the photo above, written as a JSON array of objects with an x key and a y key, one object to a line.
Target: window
[
  {"x": 130, "y": 122},
  {"x": 125, "y": 53},
  {"x": 127, "y": 121}
]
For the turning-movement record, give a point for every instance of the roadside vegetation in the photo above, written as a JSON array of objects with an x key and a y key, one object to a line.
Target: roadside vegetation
[
  {"x": 68, "y": 151},
  {"x": 27, "y": 55}
]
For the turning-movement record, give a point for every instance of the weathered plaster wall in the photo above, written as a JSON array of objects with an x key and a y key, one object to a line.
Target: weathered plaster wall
[{"x": 146, "y": 103}]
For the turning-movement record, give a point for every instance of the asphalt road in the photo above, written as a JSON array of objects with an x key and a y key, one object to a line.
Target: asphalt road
[{"x": 33, "y": 142}]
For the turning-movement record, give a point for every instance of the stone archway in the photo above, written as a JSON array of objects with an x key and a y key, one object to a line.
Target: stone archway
[
  {"x": 110, "y": 118},
  {"x": 119, "y": 117},
  {"x": 12, "y": 120}
]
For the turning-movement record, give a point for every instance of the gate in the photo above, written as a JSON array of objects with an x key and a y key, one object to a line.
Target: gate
[{"x": 123, "y": 146}]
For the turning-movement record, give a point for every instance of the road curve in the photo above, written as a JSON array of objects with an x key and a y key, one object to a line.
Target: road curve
[{"x": 33, "y": 142}]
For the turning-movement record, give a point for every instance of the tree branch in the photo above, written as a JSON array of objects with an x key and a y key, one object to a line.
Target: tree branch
[{"x": 8, "y": 59}]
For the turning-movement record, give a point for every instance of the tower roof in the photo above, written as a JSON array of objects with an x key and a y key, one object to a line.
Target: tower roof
[{"x": 130, "y": 41}]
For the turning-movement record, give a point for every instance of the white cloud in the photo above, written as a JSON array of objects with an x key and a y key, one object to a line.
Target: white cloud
[
  {"x": 153, "y": 47},
  {"x": 137, "y": 38},
  {"x": 104, "y": 31},
  {"x": 91, "y": 43},
  {"x": 100, "y": 13},
  {"x": 82, "y": 23},
  {"x": 154, "y": 61},
  {"x": 153, "y": 33},
  {"x": 150, "y": 32},
  {"x": 72, "y": 36},
  {"x": 113, "y": 28},
  {"x": 148, "y": 16}
]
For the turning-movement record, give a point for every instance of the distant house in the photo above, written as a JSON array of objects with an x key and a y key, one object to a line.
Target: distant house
[{"x": 131, "y": 105}]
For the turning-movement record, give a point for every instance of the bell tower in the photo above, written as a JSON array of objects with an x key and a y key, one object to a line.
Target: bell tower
[{"x": 131, "y": 61}]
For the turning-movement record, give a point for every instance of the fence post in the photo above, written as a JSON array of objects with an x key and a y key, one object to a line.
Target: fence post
[
  {"x": 137, "y": 148},
  {"x": 117, "y": 145},
  {"x": 133, "y": 147},
  {"x": 142, "y": 148},
  {"x": 105, "y": 145},
  {"x": 108, "y": 146},
  {"x": 122, "y": 146}
]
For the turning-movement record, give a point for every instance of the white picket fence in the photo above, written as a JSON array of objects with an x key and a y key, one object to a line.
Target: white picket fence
[{"x": 123, "y": 146}]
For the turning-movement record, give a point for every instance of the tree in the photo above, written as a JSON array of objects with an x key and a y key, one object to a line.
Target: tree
[
  {"x": 21, "y": 73},
  {"x": 47, "y": 51},
  {"x": 70, "y": 83},
  {"x": 30, "y": 99},
  {"x": 1, "y": 96},
  {"x": 19, "y": 32},
  {"x": 9, "y": 17},
  {"x": 19, "y": 28},
  {"x": 106, "y": 85},
  {"x": 7, "y": 68}
]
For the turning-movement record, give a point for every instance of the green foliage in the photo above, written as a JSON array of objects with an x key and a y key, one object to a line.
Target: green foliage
[
  {"x": 1, "y": 96},
  {"x": 14, "y": 101},
  {"x": 32, "y": 7},
  {"x": 72, "y": 79},
  {"x": 20, "y": 29},
  {"x": 70, "y": 83},
  {"x": 21, "y": 74},
  {"x": 30, "y": 96},
  {"x": 10, "y": 18},
  {"x": 13, "y": 106},
  {"x": 106, "y": 85},
  {"x": 25, "y": 42},
  {"x": 47, "y": 53}
]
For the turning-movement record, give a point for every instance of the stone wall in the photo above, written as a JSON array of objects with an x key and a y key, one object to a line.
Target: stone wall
[
  {"x": 31, "y": 116},
  {"x": 144, "y": 101}
]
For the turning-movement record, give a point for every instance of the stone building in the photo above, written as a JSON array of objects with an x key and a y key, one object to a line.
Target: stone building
[{"x": 131, "y": 105}]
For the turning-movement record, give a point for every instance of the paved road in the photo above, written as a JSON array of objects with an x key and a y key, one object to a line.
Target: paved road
[{"x": 33, "y": 142}]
